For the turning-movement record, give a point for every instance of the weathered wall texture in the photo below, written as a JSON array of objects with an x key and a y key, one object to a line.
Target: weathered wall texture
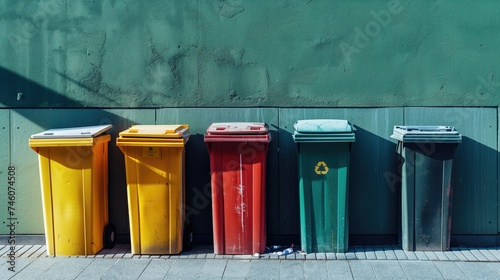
[{"x": 235, "y": 53}]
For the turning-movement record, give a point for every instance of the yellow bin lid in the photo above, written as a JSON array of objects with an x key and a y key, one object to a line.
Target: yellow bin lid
[
  {"x": 157, "y": 131},
  {"x": 154, "y": 136}
]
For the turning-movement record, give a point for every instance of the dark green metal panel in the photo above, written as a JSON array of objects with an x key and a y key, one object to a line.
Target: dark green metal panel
[
  {"x": 426, "y": 193},
  {"x": 323, "y": 190},
  {"x": 5, "y": 146},
  {"x": 26, "y": 122},
  {"x": 198, "y": 187},
  {"x": 475, "y": 167},
  {"x": 373, "y": 193}
]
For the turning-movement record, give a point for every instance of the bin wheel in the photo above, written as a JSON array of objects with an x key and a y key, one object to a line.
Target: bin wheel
[
  {"x": 109, "y": 236},
  {"x": 187, "y": 238}
]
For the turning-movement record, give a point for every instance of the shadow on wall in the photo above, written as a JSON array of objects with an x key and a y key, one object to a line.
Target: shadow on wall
[
  {"x": 30, "y": 103},
  {"x": 475, "y": 191},
  {"x": 373, "y": 198},
  {"x": 198, "y": 189},
  {"x": 19, "y": 92}
]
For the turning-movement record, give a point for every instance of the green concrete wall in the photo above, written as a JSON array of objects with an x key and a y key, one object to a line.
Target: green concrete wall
[{"x": 234, "y": 53}]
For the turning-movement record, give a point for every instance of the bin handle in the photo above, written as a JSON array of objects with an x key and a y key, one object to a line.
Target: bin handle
[{"x": 399, "y": 147}]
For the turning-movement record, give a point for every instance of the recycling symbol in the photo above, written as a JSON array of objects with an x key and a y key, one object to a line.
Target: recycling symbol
[{"x": 321, "y": 168}]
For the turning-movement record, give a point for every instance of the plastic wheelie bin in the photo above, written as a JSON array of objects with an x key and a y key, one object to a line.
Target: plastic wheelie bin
[
  {"x": 426, "y": 154},
  {"x": 74, "y": 181},
  {"x": 154, "y": 163},
  {"x": 324, "y": 148},
  {"x": 238, "y": 173}
]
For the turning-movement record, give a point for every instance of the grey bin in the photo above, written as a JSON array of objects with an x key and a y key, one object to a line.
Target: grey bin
[{"x": 426, "y": 154}]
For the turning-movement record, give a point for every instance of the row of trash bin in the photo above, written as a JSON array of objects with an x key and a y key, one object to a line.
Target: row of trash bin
[{"x": 74, "y": 175}]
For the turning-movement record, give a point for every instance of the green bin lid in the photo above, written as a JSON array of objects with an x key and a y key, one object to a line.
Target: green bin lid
[
  {"x": 418, "y": 134},
  {"x": 323, "y": 130}
]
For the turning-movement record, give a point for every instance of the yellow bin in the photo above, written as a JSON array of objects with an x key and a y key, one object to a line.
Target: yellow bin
[
  {"x": 154, "y": 163},
  {"x": 74, "y": 180}
]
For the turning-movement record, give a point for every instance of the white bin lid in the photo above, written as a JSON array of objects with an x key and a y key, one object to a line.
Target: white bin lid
[
  {"x": 429, "y": 133},
  {"x": 72, "y": 132}
]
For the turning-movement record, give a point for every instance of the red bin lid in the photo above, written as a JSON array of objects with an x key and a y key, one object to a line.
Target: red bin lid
[
  {"x": 238, "y": 128},
  {"x": 238, "y": 132}
]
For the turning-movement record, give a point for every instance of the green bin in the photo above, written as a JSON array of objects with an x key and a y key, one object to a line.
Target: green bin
[
  {"x": 324, "y": 148},
  {"x": 426, "y": 155}
]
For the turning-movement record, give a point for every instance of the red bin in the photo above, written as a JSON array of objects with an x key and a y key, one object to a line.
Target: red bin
[{"x": 238, "y": 172}]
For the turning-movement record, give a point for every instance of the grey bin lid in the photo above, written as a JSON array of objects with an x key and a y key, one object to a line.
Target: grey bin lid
[
  {"x": 73, "y": 132},
  {"x": 323, "y": 130},
  {"x": 419, "y": 134}
]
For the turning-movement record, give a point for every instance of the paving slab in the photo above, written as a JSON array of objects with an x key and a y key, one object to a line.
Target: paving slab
[
  {"x": 450, "y": 270},
  {"x": 66, "y": 268},
  {"x": 370, "y": 254},
  {"x": 387, "y": 269},
  {"x": 4, "y": 249},
  {"x": 360, "y": 254},
  {"x": 126, "y": 269},
  {"x": 400, "y": 254},
  {"x": 214, "y": 269},
  {"x": 362, "y": 270},
  {"x": 291, "y": 269},
  {"x": 321, "y": 256},
  {"x": 237, "y": 269},
  {"x": 338, "y": 270},
  {"x": 441, "y": 256},
  {"x": 477, "y": 270},
  {"x": 380, "y": 253},
  {"x": 97, "y": 268},
  {"x": 315, "y": 269},
  {"x": 495, "y": 252},
  {"x": 431, "y": 256},
  {"x": 331, "y": 256},
  {"x": 389, "y": 252},
  {"x": 458, "y": 254},
  {"x": 482, "y": 255},
  {"x": 36, "y": 268},
  {"x": 19, "y": 265},
  {"x": 156, "y": 269},
  {"x": 32, "y": 250},
  {"x": 421, "y": 270},
  {"x": 467, "y": 254},
  {"x": 186, "y": 269},
  {"x": 264, "y": 269},
  {"x": 411, "y": 255},
  {"x": 495, "y": 266}
]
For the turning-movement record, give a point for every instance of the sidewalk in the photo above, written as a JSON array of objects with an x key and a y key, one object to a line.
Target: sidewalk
[{"x": 363, "y": 262}]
